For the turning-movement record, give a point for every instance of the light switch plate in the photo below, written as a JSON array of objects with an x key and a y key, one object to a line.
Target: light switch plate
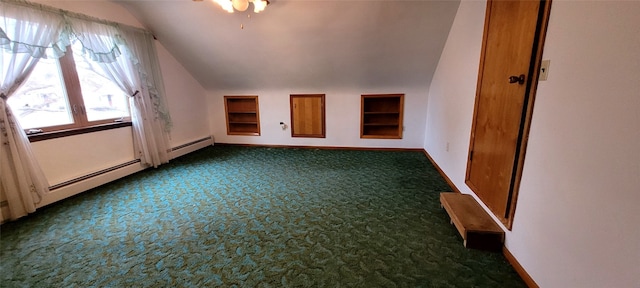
[{"x": 544, "y": 70}]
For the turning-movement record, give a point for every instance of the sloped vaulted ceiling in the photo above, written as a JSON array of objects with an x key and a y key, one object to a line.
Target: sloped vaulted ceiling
[{"x": 303, "y": 44}]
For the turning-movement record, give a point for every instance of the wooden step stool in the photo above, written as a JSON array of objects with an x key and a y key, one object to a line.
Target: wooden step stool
[{"x": 477, "y": 228}]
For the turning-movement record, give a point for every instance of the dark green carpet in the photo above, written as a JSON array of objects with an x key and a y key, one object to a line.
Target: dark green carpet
[{"x": 254, "y": 217}]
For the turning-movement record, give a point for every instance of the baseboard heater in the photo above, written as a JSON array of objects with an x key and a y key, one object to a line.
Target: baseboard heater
[
  {"x": 107, "y": 170},
  {"x": 191, "y": 143},
  {"x": 91, "y": 175}
]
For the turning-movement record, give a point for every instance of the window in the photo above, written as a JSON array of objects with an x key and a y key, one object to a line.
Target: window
[{"x": 70, "y": 92}]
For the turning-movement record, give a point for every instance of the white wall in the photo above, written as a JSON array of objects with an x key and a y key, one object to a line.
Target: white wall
[
  {"x": 576, "y": 222},
  {"x": 186, "y": 99},
  {"x": 63, "y": 159},
  {"x": 452, "y": 92},
  {"x": 342, "y": 118},
  {"x": 98, "y": 9},
  {"x": 76, "y": 160}
]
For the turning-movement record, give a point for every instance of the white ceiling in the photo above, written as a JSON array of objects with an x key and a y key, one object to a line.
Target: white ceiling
[{"x": 303, "y": 44}]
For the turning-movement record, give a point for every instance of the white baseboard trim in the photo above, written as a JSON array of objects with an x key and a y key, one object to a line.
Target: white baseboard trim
[
  {"x": 192, "y": 146},
  {"x": 89, "y": 182}
]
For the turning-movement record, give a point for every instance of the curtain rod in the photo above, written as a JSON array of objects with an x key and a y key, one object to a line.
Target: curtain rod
[{"x": 76, "y": 15}]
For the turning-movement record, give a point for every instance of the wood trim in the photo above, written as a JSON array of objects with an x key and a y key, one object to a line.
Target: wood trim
[
  {"x": 538, "y": 50},
  {"x": 446, "y": 178},
  {"x": 322, "y": 147},
  {"x": 75, "y": 96},
  {"x": 487, "y": 17},
  {"x": 519, "y": 269},
  {"x": 76, "y": 131},
  {"x": 66, "y": 70},
  {"x": 73, "y": 88}
]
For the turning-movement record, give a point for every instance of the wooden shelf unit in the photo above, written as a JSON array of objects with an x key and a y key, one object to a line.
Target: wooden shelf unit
[
  {"x": 243, "y": 117},
  {"x": 381, "y": 116}
]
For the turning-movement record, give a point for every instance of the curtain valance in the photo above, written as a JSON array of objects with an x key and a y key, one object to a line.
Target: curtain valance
[{"x": 100, "y": 39}]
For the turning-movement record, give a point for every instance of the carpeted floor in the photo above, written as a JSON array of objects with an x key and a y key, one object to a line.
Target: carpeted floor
[{"x": 229, "y": 216}]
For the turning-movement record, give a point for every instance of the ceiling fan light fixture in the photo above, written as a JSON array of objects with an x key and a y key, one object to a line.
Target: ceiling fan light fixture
[
  {"x": 241, "y": 5},
  {"x": 225, "y": 4},
  {"x": 259, "y": 5}
]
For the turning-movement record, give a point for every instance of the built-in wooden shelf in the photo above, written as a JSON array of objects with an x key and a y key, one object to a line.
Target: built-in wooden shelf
[
  {"x": 243, "y": 117},
  {"x": 381, "y": 116},
  {"x": 477, "y": 228}
]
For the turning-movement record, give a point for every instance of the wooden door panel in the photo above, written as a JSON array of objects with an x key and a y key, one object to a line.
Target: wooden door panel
[
  {"x": 510, "y": 33},
  {"x": 307, "y": 116}
]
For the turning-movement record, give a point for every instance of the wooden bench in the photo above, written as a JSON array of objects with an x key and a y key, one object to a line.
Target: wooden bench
[{"x": 477, "y": 228}]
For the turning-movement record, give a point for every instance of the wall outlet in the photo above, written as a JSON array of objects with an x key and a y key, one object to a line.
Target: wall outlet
[
  {"x": 447, "y": 147},
  {"x": 544, "y": 70}
]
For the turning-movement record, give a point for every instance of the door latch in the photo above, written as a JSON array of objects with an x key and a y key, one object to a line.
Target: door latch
[{"x": 517, "y": 79}]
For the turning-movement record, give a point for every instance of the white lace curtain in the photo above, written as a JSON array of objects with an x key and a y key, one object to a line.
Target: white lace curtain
[
  {"x": 29, "y": 32},
  {"x": 21, "y": 178},
  {"x": 134, "y": 74}
]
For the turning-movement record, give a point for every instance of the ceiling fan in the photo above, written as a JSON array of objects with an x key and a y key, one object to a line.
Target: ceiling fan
[{"x": 240, "y": 5}]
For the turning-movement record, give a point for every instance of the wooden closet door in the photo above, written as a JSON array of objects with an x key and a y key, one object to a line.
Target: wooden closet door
[
  {"x": 308, "y": 116},
  {"x": 506, "y": 85}
]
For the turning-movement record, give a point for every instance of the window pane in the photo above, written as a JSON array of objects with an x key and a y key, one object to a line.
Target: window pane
[
  {"x": 102, "y": 98},
  {"x": 42, "y": 100}
]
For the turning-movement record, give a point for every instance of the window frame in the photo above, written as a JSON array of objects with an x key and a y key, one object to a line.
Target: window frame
[
  {"x": 73, "y": 89},
  {"x": 77, "y": 131}
]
